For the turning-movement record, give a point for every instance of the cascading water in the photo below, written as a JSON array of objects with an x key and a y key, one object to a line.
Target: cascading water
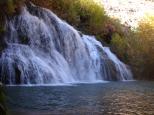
[{"x": 42, "y": 49}]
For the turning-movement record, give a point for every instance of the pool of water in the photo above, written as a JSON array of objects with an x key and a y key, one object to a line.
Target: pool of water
[{"x": 113, "y": 98}]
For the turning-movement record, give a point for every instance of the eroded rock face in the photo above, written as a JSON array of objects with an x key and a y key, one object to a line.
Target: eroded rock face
[{"x": 43, "y": 49}]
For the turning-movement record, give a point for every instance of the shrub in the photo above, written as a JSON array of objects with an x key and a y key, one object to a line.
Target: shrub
[
  {"x": 137, "y": 49},
  {"x": 145, "y": 47},
  {"x": 87, "y": 16},
  {"x": 3, "y": 110},
  {"x": 119, "y": 46}
]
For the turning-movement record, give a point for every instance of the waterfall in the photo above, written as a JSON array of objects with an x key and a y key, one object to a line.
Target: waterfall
[{"x": 43, "y": 49}]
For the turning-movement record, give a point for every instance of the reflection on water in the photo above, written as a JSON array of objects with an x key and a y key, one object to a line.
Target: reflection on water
[{"x": 114, "y": 98}]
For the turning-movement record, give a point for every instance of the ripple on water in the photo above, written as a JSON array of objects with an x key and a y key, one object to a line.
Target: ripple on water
[{"x": 113, "y": 98}]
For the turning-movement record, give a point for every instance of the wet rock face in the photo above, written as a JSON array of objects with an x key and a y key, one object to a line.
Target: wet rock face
[
  {"x": 3, "y": 44},
  {"x": 112, "y": 74},
  {"x": 43, "y": 49}
]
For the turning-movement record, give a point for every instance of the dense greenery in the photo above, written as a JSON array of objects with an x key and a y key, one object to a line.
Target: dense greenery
[
  {"x": 87, "y": 16},
  {"x": 138, "y": 49},
  {"x": 133, "y": 47},
  {"x": 2, "y": 102}
]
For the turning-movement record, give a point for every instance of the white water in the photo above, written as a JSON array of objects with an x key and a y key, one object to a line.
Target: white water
[{"x": 42, "y": 49}]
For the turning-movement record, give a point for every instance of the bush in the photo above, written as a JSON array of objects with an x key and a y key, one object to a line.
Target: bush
[
  {"x": 145, "y": 47},
  {"x": 137, "y": 49},
  {"x": 3, "y": 110},
  {"x": 87, "y": 16},
  {"x": 119, "y": 46}
]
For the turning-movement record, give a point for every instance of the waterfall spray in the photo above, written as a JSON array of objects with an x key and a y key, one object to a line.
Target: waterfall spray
[{"x": 43, "y": 49}]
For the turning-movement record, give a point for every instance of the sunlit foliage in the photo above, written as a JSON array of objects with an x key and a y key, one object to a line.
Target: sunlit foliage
[
  {"x": 138, "y": 49},
  {"x": 86, "y": 15},
  {"x": 135, "y": 48}
]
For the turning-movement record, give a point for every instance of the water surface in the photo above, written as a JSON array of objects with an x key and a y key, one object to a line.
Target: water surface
[{"x": 113, "y": 98}]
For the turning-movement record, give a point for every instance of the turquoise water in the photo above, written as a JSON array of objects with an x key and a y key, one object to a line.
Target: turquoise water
[{"x": 113, "y": 98}]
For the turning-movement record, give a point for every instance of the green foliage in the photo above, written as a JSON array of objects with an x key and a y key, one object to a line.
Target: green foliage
[
  {"x": 119, "y": 45},
  {"x": 132, "y": 47},
  {"x": 135, "y": 48},
  {"x": 7, "y": 6},
  {"x": 92, "y": 11},
  {"x": 138, "y": 49},
  {"x": 143, "y": 48},
  {"x": 87, "y": 16},
  {"x": 10, "y": 7},
  {"x": 7, "y": 9},
  {"x": 3, "y": 110}
]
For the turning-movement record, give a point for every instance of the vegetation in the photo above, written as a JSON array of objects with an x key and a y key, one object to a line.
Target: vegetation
[
  {"x": 145, "y": 48},
  {"x": 135, "y": 48},
  {"x": 3, "y": 110},
  {"x": 138, "y": 49},
  {"x": 8, "y": 8},
  {"x": 87, "y": 16}
]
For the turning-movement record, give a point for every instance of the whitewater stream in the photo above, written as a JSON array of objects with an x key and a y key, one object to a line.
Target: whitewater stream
[
  {"x": 52, "y": 69},
  {"x": 43, "y": 49}
]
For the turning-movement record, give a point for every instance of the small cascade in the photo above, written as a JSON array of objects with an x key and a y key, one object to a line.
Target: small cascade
[{"x": 43, "y": 49}]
